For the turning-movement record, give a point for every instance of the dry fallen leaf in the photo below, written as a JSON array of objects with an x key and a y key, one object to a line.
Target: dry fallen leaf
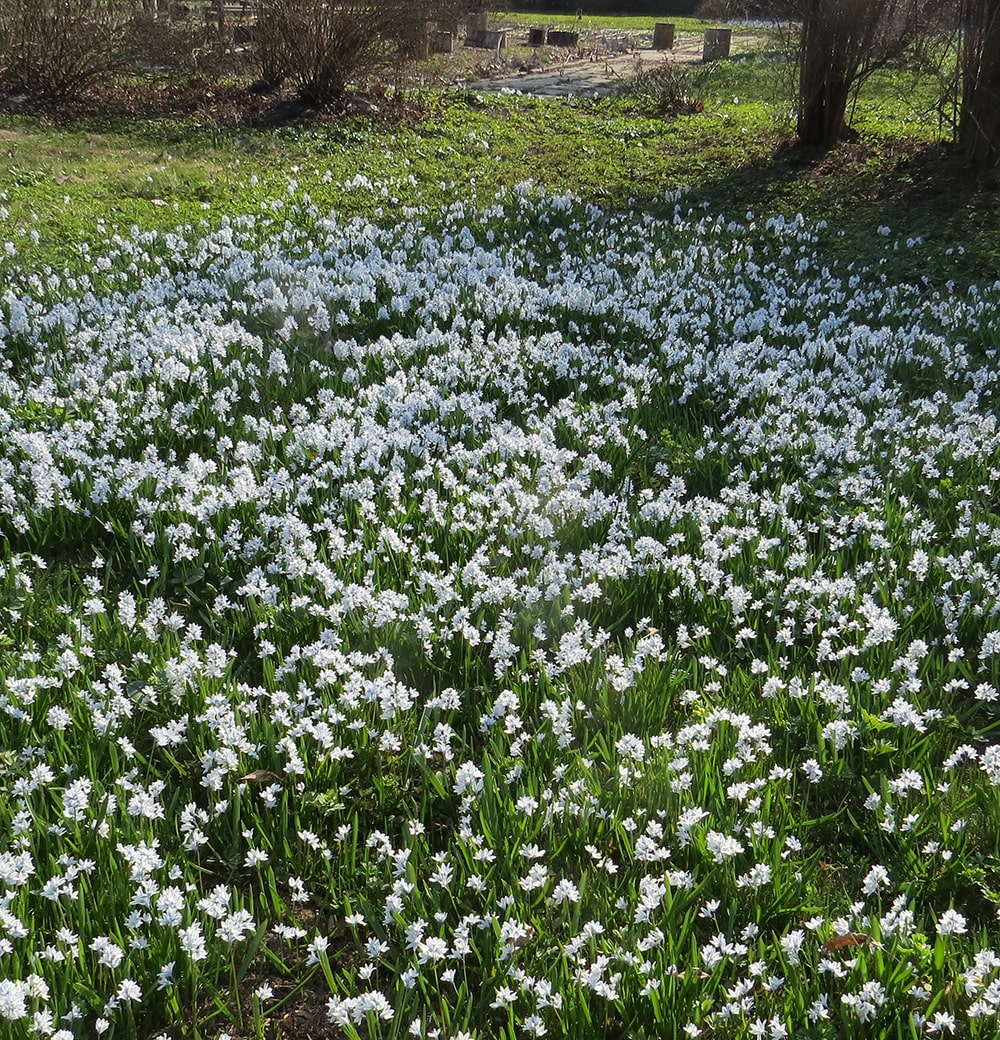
[
  {"x": 840, "y": 942},
  {"x": 261, "y": 776}
]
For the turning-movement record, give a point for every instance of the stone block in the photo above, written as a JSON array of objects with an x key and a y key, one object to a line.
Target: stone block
[
  {"x": 561, "y": 38},
  {"x": 717, "y": 44},
  {"x": 442, "y": 42},
  {"x": 663, "y": 36}
]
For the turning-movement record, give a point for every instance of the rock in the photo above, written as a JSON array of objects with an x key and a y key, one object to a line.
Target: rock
[
  {"x": 290, "y": 111},
  {"x": 360, "y": 105}
]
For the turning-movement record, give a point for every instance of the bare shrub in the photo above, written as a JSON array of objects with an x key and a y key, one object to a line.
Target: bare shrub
[
  {"x": 322, "y": 46},
  {"x": 57, "y": 48},
  {"x": 958, "y": 43},
  {"x": 932, "y": 55},
  {"x": 979, "y": 118},
  {"x": 158, "y": 44},
  {"x": 668, "y": 90}
]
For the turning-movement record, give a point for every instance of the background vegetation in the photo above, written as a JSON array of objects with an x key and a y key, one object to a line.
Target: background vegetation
[{"x": 67, "y": 173}]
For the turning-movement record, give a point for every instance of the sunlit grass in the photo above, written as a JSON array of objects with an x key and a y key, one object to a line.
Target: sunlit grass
[
  {"x": 589, "y": 21},
  {"x": 61, "y": 184}
]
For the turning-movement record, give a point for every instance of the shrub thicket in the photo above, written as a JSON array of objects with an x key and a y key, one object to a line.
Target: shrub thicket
[
  {"x": 841, "y": 41},
  {"x": 56, "y": 48},
  {"x": 322, "y": 47},
  {"x": 979, "y": 121}
]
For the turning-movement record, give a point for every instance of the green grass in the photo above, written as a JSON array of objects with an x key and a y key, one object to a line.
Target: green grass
[
  {"x": 599, "y": 22},
  {"x": 63, "y": 183},
  {"x": 523, "y": 382}
]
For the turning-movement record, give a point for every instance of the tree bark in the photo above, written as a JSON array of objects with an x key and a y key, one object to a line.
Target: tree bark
[
  {"x": 979, "y": 117},
  {"x": 837, "y": 37}
]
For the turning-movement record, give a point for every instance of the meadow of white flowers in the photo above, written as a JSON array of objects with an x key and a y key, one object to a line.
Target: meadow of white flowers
[{"x": 527, "y": 620}]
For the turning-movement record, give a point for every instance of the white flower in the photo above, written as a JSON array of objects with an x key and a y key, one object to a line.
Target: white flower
[
  {"x": 565, "y": 891},
  {"x": 235, "y": 927},
  {"x": 876, "y": 878},
  {"x": 129, "y": 990},
  {"x": 504, "y": 996},
  {"x": 951, "y": 923},
  {"x": 468, "y": 777},
  {"x": 165, "y": 976},
  {"x": 759, "y": 874},
  {"x": 791, "y": 945},
  {"x": 13, "y": 1004},
  {"x": 432, "y": 949},
  {"x": 941, "y": 1022},
  {"x": 722, "y": 846},
  {"x": 813, "y": 770},
  {"x": 819, "y": 1009},
  {"x": 317, "y": 947},
  {"x": 192, "y": 941},
  {"x": 535, "y": 878},
  {"x": 631, "y": 746},
  {"x": 76, "y": 799},
  {"x": 108, "y": 953},
  {"x": 216, "y": 904}
]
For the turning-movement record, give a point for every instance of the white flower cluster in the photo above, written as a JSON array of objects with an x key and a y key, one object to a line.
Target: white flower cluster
[{"x": 547, "y": 594}]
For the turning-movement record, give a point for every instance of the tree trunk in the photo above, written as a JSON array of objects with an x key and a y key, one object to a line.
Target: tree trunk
[
  {"x": 823, "y": 110},
  {"x": 822, "y": 78},
  {"x": 837, "y": 38},
  {"x": 979, "y": 118}
]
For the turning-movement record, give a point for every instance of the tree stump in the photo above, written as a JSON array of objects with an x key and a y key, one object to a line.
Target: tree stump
[
  {"x": 536, "y": 36},
  {"x": 663, "y": 36},
  {"x": 717, "y": 44}
]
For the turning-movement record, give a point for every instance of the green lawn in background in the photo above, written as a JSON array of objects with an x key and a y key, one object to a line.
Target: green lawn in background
[{"x": 63, "y": 182}]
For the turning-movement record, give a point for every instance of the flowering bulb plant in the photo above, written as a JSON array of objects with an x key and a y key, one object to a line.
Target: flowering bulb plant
[{"x": 515, "y": 620}]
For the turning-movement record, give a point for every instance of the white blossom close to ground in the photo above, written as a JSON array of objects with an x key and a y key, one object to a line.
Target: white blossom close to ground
[{"x": 511, "y": 619}]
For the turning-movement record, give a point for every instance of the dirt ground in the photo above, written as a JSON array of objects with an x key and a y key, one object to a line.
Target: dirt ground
[{"x": 599, "y": 65}]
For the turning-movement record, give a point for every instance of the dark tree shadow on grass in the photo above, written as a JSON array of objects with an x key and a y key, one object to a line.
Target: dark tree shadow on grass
[{"x": 945, "y": 220}]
